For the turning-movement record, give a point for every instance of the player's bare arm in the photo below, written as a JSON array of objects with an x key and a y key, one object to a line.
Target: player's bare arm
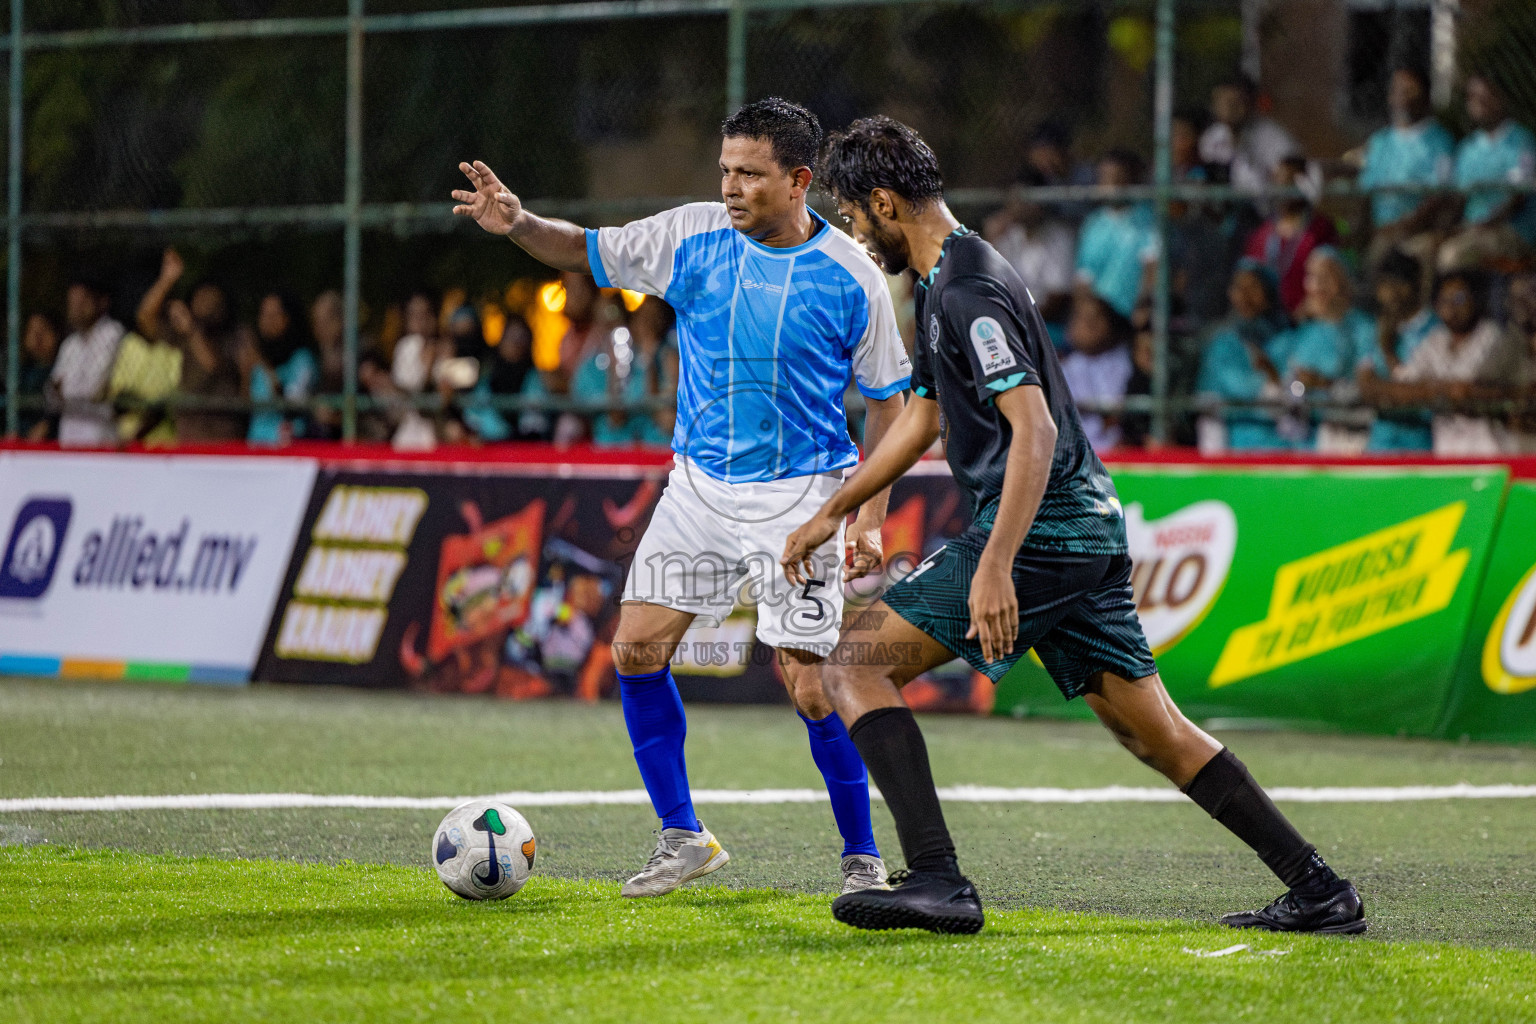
[
  {"x": 994, "y": 603},
  {"x": 862, "y": 540},
  {"x": 913, "y": 433},
  {"x": 494, "y": 206}
]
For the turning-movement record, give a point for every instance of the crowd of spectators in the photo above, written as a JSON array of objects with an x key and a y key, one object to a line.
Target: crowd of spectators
[
  {"x": 1401, "y": 321},
  {"x": 438, "y": 369}
]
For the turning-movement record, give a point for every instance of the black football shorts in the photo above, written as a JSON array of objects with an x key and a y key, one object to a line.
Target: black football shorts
[{"x": 1075, "y": 610}]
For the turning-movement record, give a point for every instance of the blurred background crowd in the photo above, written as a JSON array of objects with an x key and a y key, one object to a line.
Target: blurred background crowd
[
  {"x": 1400, "y": 321},
  {"x": 1324, "y": 294},
  {"x": 184, "y": 368}
]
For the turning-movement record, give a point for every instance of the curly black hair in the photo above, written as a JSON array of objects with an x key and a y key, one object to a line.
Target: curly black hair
[
  {"x": 793, "y": 131},
  {"x": 880, "y": 152}
]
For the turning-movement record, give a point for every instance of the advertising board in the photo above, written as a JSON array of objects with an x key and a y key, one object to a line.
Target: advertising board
[
  {"x": 1385, "y": 599},
  {"x": 509, "y": 583},
  {"x": 143, "y": 567},
  {"x": 1337, "y": 597},
  {"x": 1494, "y": 697},
  {"x": 479, "y": 582}
]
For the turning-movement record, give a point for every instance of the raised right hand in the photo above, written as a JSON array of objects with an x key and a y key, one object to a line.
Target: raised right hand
[
  {"x": 171, "y": 265},
  {"x": 491, "y": 204}
]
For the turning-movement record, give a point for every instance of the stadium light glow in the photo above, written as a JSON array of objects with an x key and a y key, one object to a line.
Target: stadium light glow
[
  {"x": 493, "y": 321},
  {"x": 547, "y": 322},
  {"x": 552, "y": 297}
]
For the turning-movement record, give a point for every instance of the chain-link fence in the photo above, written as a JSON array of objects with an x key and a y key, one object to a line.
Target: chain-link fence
[{"x": 304, "y": 151}]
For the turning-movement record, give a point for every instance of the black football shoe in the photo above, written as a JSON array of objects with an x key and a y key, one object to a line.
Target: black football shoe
[
  {"x": 916, "y": 899},
  {"x": 1336, "y": 910}
]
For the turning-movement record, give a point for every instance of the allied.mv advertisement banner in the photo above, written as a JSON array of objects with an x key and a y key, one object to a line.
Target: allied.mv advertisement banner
[{"x": 143, "y": 566}]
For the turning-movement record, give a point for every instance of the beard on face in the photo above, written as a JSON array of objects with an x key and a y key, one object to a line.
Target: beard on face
[{"x": 889, "y": 247}]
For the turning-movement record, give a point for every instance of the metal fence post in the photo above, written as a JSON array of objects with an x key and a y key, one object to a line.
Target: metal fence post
[
  {"x": 13, "y": 234},
  {"x": 1162, "y": 180},
  {"x": 735, "y": 57},
  {"x": 352, "y": 234}
]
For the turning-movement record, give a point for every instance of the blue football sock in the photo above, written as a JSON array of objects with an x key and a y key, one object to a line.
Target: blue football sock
[
  {"x": 847, "y": 782},
  {"x": 653, "y": 711}
]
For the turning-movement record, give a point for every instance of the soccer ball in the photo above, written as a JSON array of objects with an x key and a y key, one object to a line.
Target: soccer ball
[{"x": 483, "y": 850}]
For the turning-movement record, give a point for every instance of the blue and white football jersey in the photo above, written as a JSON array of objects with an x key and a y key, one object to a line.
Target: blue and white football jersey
[{"x": 768, "y": 338}]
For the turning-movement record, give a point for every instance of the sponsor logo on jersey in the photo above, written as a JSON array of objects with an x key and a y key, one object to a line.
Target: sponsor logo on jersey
[
  {"x": 1349, "y": 592},
  {"x": 32, "y": 553},
  {"x": 1180, "y": 564},
  {"x": 991, "y": 345},
  {"x": 1509, "y": 652},
  {"x": 933, "y": 332}
]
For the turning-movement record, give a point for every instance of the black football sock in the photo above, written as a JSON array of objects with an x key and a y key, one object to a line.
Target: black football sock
[
  {"x": 893, "y": 750},
  {"x": 1226, "y": 791}
]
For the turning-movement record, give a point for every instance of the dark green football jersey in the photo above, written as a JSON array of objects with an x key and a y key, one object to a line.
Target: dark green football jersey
[{"x": 979, "y": 335}]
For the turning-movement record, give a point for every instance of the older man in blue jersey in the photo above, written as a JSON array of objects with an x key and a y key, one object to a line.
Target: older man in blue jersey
[{"x": 776, "y": 311}]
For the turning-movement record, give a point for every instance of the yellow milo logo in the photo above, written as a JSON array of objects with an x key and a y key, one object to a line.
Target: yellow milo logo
[
  {"x": 1350, "y": 592},
  {"x": 1509, "y": 653}
]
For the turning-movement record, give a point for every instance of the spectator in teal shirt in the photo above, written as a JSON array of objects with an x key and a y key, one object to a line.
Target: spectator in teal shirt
[
  {"x": 288, "y": 368},
  {"x": 504, "y": 372},
  {"x": 654, "y": 337},
  {"x": 1403, "y": 321},
  {"x": 1496, "y": 223},
  {"x": 1119, "y": 239},
  {"x": 1324, "y": 348},
  {"x": 1332, "y": 331},
  {"x": 605, "y": 379},
  {"x": 267, "y": 425},
  {"x": 276, "y": 366},
  {"x": 1241, "y": 360},
  {"x": 1412, "y": 150},
  {"x": 637, "y": 364}
]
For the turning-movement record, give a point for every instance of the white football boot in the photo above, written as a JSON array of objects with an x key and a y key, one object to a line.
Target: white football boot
[
  {"x": 861, "y": 871},
  {"x": 680, "y": 856}
]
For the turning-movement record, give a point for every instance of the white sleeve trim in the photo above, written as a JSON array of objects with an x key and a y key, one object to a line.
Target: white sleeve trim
[
  {"x": 639, "y": 255},
  {"x": 881, "y": 366}
]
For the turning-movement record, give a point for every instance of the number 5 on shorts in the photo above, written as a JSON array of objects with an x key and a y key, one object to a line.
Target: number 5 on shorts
[{"x": 820, "y": 614}]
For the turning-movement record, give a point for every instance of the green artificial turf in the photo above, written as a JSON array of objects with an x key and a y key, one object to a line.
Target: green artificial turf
[
  {"x": 332, "y": 914},
  {"x": 95, "y": 936},
  {"x": 79, "y": 739},
  {"x": 1458, "y": 871}
]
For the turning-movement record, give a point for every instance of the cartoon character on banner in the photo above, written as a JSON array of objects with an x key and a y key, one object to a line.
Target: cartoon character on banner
[
  {"x": 485, "y": 583},
  {"x": 565, "y": 644}
]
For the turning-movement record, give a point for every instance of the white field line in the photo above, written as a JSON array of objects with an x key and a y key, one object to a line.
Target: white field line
[{"x": 637, "y": 797}]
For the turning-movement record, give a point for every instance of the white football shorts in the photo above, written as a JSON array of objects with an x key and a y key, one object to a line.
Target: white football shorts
[{"x": 710, "y": 541}]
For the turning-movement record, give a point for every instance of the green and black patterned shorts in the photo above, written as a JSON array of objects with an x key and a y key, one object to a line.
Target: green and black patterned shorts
[{"x": 1075, "y": 610}]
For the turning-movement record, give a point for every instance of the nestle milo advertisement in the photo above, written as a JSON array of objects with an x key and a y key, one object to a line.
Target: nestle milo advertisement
[
  {"x": 1494, "y": 697},
  {"x": 1306, "y": 596}
]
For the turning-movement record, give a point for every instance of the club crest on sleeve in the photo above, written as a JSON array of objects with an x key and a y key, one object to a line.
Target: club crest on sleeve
[{"x": 991, "y": 345}]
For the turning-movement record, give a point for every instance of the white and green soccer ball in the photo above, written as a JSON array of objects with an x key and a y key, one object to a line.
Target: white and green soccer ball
[{"x": 483, "y": 850}]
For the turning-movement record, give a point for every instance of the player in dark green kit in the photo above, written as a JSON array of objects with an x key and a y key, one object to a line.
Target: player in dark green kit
[{"x": 1043, "y": 565}]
